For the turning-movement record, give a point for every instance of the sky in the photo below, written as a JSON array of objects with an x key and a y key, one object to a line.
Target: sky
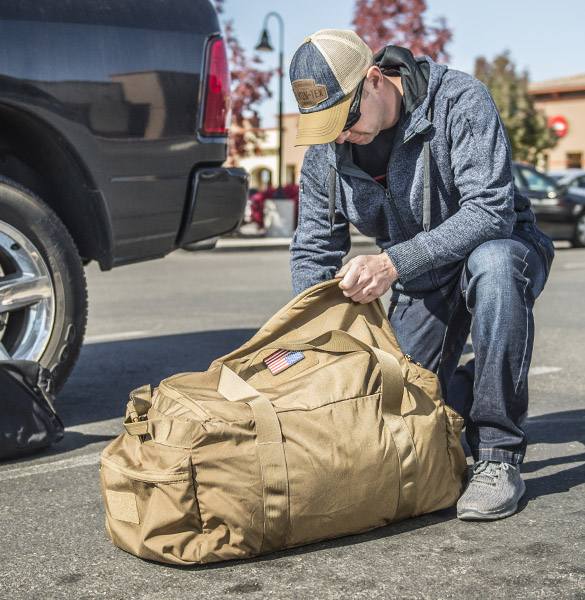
[{"x": 545, "y": 38}]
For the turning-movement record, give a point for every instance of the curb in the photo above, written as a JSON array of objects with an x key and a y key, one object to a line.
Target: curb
[{"x": 274, "y": 243}]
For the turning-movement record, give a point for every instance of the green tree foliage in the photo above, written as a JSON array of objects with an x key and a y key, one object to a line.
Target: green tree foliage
[{"x": 527, "y": 127}]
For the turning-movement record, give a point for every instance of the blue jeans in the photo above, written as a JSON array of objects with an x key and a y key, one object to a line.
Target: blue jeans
[{"x": 493, "y": 295}]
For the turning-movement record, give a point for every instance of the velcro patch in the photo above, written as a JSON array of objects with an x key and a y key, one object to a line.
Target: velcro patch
[
  {"x": 282, "y": 359},
  {"x": 122, "y": 506}
]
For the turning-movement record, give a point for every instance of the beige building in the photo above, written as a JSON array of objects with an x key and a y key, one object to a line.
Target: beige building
[
  {"x": 263, "y": 167},
  {"x": 563, "y": 102}
]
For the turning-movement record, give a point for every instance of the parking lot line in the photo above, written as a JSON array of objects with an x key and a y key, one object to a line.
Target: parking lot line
[
  {"x": 116, "y": 337},
  {"x": 50, "y": 467}
]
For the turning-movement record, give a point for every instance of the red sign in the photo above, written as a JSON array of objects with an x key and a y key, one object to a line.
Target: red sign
[{"x": 559, "y": 124}]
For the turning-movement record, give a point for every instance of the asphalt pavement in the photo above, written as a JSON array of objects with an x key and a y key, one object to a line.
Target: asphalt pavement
[{"x": 150, "y": 320}]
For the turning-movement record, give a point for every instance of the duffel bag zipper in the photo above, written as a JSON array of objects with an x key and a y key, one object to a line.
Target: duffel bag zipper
[
  {"x": 146, "y": 476},
  {"x": 185, "y": 401},
  {"x": 410, "y": 359}
]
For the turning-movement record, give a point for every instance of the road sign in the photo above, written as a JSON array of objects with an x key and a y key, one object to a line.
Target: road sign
[{"x": 559, "y": 124}]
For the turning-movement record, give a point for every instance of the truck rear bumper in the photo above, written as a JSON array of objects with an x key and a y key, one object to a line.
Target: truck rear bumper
[{"x": 216, "y": 204}]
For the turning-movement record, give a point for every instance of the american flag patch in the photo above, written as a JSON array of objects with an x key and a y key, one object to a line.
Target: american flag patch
[{"x": 282, "y": 359}]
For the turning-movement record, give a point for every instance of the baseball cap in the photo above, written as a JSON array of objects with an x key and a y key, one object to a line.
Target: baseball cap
[{"x": 325, "y": 72}]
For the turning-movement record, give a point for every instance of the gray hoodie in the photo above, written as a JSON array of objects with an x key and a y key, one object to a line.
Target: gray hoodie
[{"x": 471, "y": 196}]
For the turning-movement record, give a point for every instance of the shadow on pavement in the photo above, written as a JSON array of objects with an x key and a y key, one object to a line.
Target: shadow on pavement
[
  {"x": 106, "y": 372},
  {"x": 556, "y": 428},
  {"x": 278, "y": 559},
  {"x": 555, "y": 483}
]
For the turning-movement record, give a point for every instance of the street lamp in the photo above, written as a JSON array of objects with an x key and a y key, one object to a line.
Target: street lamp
[{"x": 265, "y": 46}]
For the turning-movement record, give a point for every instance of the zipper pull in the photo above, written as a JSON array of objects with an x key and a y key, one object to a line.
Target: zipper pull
[{"x": 410, "y": 359}]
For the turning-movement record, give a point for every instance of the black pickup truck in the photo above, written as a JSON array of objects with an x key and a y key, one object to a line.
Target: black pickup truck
[{"x": 113, "y": 132}]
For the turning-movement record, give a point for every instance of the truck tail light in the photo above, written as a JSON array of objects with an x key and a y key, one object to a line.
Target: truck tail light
[{"x": 217, "y": 103}]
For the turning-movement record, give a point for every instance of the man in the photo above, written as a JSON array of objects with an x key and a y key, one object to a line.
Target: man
[{"x": 416, "y": 156}]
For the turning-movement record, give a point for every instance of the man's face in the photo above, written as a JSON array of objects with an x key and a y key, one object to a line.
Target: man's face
[
  {"x": 379, "y": 108},
  {"x": 368, "y": 125}
]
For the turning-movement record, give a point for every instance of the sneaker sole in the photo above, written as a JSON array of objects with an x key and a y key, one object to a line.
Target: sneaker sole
[{"x": 472, "y": 515}]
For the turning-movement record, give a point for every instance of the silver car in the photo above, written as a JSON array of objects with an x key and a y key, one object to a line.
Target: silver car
[{"x": 572, "y": 179}]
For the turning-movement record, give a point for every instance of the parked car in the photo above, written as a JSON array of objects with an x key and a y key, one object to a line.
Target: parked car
[
  {"x": 572, "y": 179},
  {"x": 113, "y": 132},
  {"x": 559, "y": 212}
]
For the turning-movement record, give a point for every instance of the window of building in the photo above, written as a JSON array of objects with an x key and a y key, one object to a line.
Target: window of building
[
  {"x": 574, "y": 160},
  {"x": 291, "y": 174}
]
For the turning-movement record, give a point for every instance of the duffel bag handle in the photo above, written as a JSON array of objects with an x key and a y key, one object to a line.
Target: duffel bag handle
[
  {"x": 136, "y": 422},
  {"x": 139, "y": 403},
  {"x": 338, "y": 340},
  {"x": 143, "y": 420}
]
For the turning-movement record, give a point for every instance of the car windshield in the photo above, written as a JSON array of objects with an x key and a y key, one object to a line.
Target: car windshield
[{"x": 537, "y": 181}]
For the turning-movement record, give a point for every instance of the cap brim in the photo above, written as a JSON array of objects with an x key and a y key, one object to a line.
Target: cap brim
[{"x": 323, "y": 126}]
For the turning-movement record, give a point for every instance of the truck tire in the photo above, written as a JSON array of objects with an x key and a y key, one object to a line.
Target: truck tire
[{"x": 43, "y": 292}]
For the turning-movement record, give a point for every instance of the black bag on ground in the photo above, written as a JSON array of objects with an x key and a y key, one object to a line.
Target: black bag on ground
[{"x": 28, "y": 421}]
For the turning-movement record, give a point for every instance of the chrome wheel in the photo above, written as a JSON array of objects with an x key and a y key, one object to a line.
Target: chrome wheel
[{"x": 27, "y": 297}]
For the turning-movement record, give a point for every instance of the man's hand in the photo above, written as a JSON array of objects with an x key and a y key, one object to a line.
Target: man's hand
[{"x": 367, "y": 277}]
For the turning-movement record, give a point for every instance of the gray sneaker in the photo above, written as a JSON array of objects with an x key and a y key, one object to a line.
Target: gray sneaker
[{"x": 493, "y": 492}]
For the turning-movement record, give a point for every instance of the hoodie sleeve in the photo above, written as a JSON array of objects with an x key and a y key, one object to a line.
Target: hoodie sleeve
[
  {"x": 482, "y": 170},
  {"x": 315, "y": 254}
]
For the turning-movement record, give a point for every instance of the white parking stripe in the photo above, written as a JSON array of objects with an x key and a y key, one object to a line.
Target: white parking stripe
[
  {"x": 116, "y": 337},
  {"x": 50, "y": 467},
  {"x": 544, "y": 370}
]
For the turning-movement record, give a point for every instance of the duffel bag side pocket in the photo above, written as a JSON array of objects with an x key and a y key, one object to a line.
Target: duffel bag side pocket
[{"x": 151, "y": 504}]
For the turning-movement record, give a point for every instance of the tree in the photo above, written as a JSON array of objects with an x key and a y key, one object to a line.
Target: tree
[
  {"x": 249, "y": 89},
  {"x": 401, "y": 22},
  {"x": 527, "y": 127}
]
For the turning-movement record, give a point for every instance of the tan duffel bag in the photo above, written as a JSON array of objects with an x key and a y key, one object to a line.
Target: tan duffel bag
[{"x": 316, "y": 427}]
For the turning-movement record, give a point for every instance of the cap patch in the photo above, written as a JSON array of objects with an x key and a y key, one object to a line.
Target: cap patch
[{"x": 308, "y": 93}]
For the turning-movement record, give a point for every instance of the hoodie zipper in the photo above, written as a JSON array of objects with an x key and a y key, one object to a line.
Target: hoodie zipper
[{"x": 357, "y": 172}]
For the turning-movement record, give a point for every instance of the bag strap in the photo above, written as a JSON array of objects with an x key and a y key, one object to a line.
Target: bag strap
[
  {"x": 142, "y": 419},
  {"x": 275, "y": 491}
]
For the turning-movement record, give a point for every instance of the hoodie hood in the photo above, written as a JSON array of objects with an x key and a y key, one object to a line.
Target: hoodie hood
[
  {"x": 397, "y": 61},
  {"x": 416, "y": 122},
  {"x": 420, "y": 79}
]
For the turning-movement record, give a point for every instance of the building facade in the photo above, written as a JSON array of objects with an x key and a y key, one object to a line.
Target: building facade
[
  {"x": 563, "y": 102},
  {"x": 263, "y": 168}
]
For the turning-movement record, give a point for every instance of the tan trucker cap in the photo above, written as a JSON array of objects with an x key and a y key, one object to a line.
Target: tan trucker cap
[{"x": 324, "y": 73}]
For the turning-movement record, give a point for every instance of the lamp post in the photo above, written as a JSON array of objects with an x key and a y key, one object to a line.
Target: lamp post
[{"x": 265, "y": 45}]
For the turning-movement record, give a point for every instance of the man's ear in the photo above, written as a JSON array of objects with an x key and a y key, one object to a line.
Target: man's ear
[{"x": 374, "y": 77}]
